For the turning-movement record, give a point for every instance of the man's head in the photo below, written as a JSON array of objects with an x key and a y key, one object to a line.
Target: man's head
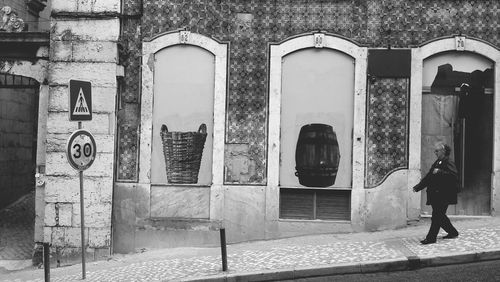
[{"x": 442, "y": 150}]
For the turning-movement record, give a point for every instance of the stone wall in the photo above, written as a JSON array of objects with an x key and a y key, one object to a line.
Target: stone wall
[
  {"x": 82, "y": 48},
  {"x": 29, "y": 12}
]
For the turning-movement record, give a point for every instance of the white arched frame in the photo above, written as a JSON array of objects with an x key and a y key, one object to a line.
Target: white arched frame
[
  {"x": 418, "y": 57},
  {"x": 219, "y": 50},
  {"x": 277, "y": 52}
]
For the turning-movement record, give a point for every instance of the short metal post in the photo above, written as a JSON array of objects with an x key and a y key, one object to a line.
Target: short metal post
[
  {"x": 223, "y": 248},
  {"x": 46, "y": 261}
]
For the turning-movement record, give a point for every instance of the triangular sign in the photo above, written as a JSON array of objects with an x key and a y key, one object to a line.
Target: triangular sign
[{"x": 81, "y": 107}]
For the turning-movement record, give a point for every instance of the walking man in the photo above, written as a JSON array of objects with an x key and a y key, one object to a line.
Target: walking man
[{"x": 442, "y": 187}]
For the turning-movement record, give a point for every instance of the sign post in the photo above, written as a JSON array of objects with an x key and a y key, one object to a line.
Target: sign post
[
  {"x": 81, "y": 152},
  {"x": 81, "y": 147}
]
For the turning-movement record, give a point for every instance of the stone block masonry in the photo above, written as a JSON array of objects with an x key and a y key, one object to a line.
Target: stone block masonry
[{"x": 84, "y": 37}]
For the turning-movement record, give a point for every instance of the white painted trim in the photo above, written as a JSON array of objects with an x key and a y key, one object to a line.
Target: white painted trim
[
  {"x": 220, "y": 52},
  {"x": 418, "y": 56},
  {"x": 415, "y": 133},
  {"x": 277, "y": 52}
]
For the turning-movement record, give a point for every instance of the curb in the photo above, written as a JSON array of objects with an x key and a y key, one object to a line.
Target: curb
[
  {"x": 461, "y": 257},
  {"x": 386, "y": 265}
]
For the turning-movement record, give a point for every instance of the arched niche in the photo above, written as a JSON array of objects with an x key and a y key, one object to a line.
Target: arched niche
[
  {"x": 277, "y": 53},
  {"x": 159, "y": 48},
  {"x": 419, "y": 55}
]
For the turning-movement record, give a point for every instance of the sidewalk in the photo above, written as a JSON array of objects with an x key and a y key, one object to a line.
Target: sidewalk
[
  {"x": 297, "y": 257},
  {"x": 17, "y": 232}
]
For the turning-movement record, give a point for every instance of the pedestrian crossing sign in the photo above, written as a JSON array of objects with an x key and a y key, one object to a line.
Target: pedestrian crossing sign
[{"x": 80, "y": 100}]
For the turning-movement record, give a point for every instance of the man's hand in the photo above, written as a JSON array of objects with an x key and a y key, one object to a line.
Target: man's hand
[
  {"x": 415, "y": 189},
  {"x": 436, "y": 170}
]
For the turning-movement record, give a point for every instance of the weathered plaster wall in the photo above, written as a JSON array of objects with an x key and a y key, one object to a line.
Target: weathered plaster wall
[
  {"x": 244, "y": 213},
  {"x": 385, "y": 206},
  {"x": 82, "y": 48},
  {"x": 136, "y": 227}
]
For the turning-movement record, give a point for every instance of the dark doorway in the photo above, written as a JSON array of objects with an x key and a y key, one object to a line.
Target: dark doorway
[
  {"x": 458, "y": 110},
  {"x": 18, "y": 136},
  {"x": 18, "y": 132}
]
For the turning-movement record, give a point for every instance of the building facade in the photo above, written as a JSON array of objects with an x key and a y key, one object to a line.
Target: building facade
[
  {"x": 296, "y": 117},
  {"x": 24, "y": 46}
]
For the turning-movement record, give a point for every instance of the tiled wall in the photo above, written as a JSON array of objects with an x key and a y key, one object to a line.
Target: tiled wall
[
  {"x": 387, "y": 128},
  {"x": 129, "y": 108},
  {"x": 250, "y": 25}
]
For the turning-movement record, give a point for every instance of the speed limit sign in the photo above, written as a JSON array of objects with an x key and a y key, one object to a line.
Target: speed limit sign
[{"x": 81, "y": 149}]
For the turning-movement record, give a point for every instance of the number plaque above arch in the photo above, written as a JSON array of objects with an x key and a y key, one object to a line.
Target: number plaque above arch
[
  {"x": 184, "y": 36},
  {"x": 460, "y": 43}
]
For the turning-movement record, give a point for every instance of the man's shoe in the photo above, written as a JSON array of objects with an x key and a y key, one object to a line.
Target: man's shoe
[
  {"x": 426, "y": 242},
  {"x": 450, "y": 236}
]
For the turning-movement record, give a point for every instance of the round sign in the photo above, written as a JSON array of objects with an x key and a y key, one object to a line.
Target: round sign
[{"x": 81, "y": 149}]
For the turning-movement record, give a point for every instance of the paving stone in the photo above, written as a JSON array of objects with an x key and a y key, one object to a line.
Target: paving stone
[
  {"x": 469, "y": 240},
  {"x": 17, "y": 231},
  {"x": 367, "y": 251}
]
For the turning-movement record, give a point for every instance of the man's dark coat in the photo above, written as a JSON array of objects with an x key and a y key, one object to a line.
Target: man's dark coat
[{"x": 442, "y": 187}]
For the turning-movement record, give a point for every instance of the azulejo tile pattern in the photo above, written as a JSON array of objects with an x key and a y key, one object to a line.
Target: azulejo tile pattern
[
  {"x": 374, "y": 23},
  {"x": 386, "y": 128},
  {"x": 127, "y": 151},
  {"x": 128, "y": 111}
]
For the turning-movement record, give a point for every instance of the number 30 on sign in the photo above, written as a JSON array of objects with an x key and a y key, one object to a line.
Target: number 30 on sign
[{"x": 81, "y": 149}]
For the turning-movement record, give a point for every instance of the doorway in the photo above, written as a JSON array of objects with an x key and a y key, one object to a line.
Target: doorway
[
  {"x": 18, "y": 145},
  {"x": 457, "y": 108}
]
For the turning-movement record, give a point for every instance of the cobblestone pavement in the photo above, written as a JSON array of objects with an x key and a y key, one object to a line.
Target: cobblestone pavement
[
  {"x": 308, "y": 251},
  {"x": 469, "y": 240},
  {"x": 17, "y": 229}
]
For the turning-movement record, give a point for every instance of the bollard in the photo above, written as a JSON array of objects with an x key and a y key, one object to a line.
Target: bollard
[
  {"x": 46, "y": 261},
  {"x": 223, "y": 248}
]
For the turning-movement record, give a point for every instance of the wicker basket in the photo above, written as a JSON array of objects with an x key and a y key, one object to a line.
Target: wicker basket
[{"x": 183, "y": 152}]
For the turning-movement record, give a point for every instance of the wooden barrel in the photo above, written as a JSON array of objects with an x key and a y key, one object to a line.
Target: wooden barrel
[{"x": 317, "y": 155}]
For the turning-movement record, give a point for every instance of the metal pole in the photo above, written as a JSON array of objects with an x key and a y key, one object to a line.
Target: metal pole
[
  {"x": 82, "y": 224},
  {"x": 82, "y": 216},
  {"x": 46, "y": 261},
  {"x": 223, "y": 248},
  {"x": 462, "y": 148}
]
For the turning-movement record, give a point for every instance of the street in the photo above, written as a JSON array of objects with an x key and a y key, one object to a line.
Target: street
[{"x": 479, "y": 271}]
